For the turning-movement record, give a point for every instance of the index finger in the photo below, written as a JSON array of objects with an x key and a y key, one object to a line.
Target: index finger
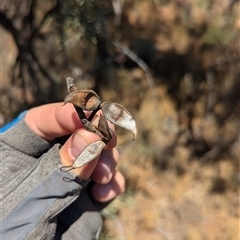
[{"x": 54, "y": 120}]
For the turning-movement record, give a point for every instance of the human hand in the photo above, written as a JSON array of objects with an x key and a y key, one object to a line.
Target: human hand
[{"x": 54, "y": 120}]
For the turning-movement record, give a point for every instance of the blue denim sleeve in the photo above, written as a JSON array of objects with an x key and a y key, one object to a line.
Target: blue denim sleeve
[{"x": 13, "y": 122}]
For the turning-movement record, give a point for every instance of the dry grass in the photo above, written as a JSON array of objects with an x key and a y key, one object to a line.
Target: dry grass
[{"x": 172, "y": 194}]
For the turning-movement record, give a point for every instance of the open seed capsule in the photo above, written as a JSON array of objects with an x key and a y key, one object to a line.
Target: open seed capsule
[
  {"x": 119, "y": 115},
  {"x": 85, "y": 99}
]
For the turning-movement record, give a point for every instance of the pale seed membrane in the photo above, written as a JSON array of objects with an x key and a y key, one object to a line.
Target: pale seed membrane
[
  {"x": 89, "y": 153},
  {"x": 119, "y": 115}
]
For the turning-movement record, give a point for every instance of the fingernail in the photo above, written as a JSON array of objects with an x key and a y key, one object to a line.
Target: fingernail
[
  {"x": 77, "y": 145},
  {"x": 106, "y": 167}
]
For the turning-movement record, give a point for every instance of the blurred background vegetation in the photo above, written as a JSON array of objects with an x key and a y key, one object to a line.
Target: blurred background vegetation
[{"x": 174, "y": 64}]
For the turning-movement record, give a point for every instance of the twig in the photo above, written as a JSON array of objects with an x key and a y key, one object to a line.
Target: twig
[
  {"x": 118, "y": 9},
  {"x": 141, "y": 64}
]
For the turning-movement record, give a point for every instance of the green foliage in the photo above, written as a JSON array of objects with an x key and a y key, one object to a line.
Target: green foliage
[
  {"x": 219, "y": 35},
  {"x": 81, "y": 16}
]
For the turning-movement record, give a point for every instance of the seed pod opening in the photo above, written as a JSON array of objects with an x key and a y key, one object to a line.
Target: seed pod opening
[
  {"x": 86, "y": 99},
  {"x": 119, "y": 115}
]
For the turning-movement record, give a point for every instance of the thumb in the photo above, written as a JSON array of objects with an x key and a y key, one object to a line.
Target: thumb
[{"x": 73, "y": 147}]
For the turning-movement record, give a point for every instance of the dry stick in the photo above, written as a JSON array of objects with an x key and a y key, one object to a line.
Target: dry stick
[
  {"x": 118, "y": 9},
  {"x": 141, "y": 64}
]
